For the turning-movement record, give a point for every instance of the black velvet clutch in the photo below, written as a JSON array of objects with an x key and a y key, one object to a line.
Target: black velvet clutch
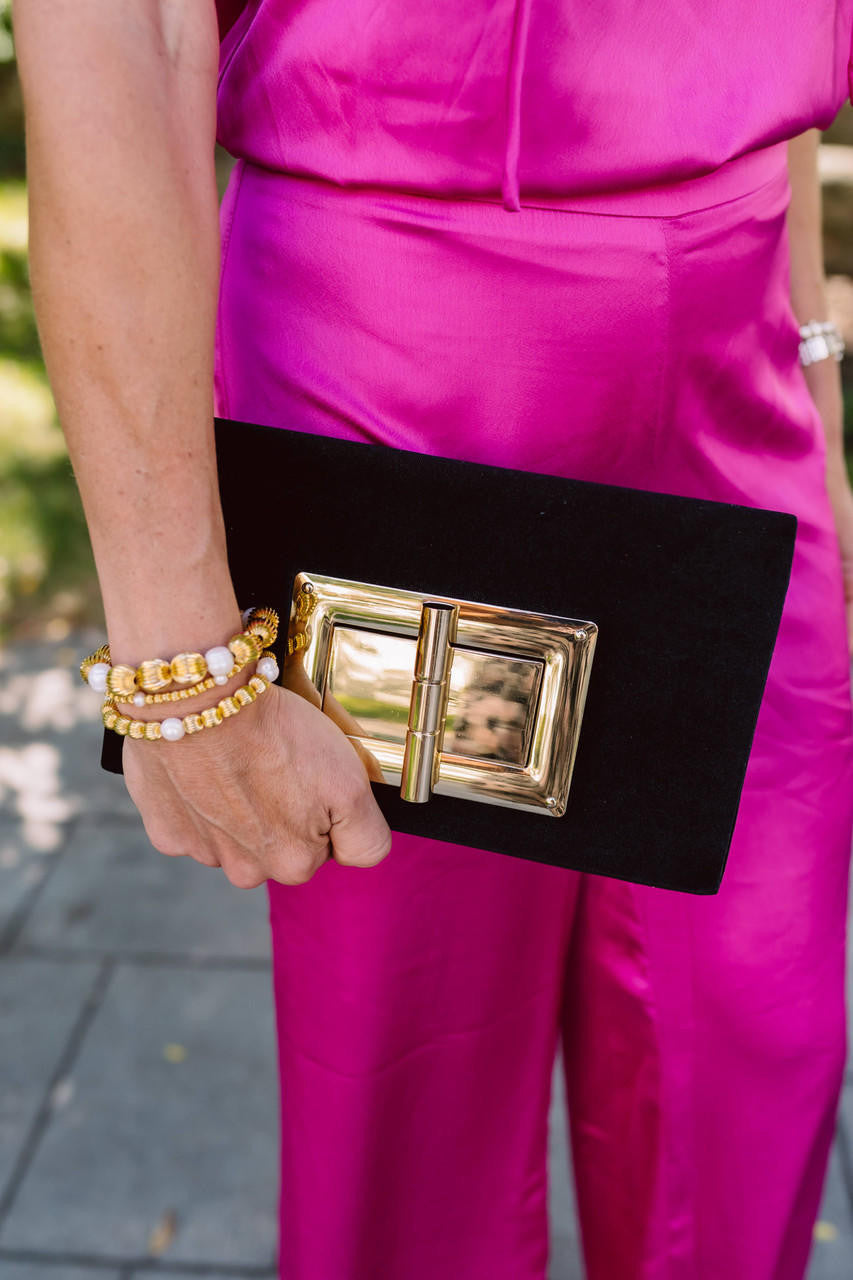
[{"x": 591, "y": 702}]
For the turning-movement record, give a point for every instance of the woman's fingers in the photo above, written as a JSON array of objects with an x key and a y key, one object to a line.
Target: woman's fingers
[
  {"x": 360, "y": 835},
  {"x": 270, "y": 795},
  {"x": 168, "y": 821}
]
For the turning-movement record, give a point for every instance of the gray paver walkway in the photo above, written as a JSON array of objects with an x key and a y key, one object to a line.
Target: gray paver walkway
[{"x": 138, "y": 1091}]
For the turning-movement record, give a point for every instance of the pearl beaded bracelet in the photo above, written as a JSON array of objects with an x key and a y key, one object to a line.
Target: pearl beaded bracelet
[
  {"x": 173, "y": 729},
  {"x": 155, "y": 674},
  {"x": 267, "y": 666}
]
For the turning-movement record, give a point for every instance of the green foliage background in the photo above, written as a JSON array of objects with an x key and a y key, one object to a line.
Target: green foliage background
[{"x": 47, "y": 579}]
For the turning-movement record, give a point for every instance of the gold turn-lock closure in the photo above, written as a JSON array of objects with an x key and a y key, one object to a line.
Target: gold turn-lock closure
[
  {"x": 428, "y": 705},
  {"x": 448, "y": 696}
]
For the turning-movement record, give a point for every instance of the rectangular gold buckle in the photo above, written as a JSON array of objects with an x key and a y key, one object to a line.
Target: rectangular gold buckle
[{"x": 448, "y": 696}]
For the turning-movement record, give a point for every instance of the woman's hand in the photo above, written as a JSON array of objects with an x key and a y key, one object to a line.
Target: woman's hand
[{"x": 268, "y": 795}]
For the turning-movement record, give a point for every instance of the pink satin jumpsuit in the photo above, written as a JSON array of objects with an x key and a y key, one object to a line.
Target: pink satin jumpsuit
[{"x": 552, "y": 235}]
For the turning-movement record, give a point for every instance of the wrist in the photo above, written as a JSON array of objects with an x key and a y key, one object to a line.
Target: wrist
[
  {"x": 165, "y": 583},
  {"x": 823, "y": 381},
  {"x": 166, "y": 618}
]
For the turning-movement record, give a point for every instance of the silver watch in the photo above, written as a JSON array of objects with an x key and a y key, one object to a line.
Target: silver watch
[{"x": 820, "y": 339}]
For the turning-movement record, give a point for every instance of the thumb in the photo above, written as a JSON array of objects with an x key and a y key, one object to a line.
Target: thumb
[{"x": 361, "y": 837}]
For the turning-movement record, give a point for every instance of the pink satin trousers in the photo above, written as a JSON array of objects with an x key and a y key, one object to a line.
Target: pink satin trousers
[{"x": 419, "y": 1003}]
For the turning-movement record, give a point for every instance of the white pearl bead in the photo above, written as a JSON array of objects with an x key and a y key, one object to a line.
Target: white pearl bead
[
  {"x": 172, "y": 729},
  {"x": 268, "y": 668},
  {"x": 246, "y": 615},
  {"x": 98, "y": 676},
  {"x": 139, "y": 699},
  {"x": 220, "y": 679},
  {"x": 219, "y": 660}
]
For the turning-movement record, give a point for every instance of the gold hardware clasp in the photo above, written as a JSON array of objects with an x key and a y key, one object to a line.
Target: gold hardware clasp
[
  {"x": 446, "y": 696},
  {"x": 428, "y": 706}
]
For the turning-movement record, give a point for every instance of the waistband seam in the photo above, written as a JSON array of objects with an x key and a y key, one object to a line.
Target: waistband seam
[{"x": 599, "y": 205}]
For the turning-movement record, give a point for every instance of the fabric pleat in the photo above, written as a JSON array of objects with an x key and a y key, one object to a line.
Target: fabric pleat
[{"x": 514, "y": 83}]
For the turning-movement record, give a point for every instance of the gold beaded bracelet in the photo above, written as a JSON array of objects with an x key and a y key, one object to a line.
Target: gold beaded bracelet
[
  {"x": 140, "y": 699},
  {"x": 294, "y": 645},
  {"x": 154, "y": 675},
  {"x": 267, "y": 667},
  {"x": 173, "y": 729}
]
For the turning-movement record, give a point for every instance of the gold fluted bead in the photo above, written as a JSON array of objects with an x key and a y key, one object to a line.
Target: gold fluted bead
[
  {"x": 109, "y": 715},
  {"x": 178, "y": 695},
  {"x": 203, "y": 685},
  {"x": 211, "y": 716},
  {"x": 258, "y": 683},
  {"x": 295, "y": 643},
  {"x": 121, "y": 680},
  {"x": 306, "y": 601},
  {"x": 153, "y": 675},
  {"x": 228, "y": 706},
  {"x": 245, "y": 648},
  {"x": 169, "y": 696},
  {"x": 244, "y": 695},
  {"x": 265, "y": 616},
  {"x": 193, "y": 723},
  {"x": 122, "y": 725},
  {"x": 265, "y": 633},
  {"x": 193, "y": 690},
  {"x": 137, "y": 729},
  {"x": 152, "y": 731},
  {"x": 100, "y": 655},
  {"x": 187, "y": 668}
]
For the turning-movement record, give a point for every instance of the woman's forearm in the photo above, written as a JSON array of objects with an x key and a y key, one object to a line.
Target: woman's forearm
[
  {"x": 808, "y": 283},
  {"x": 124, "y": 255},
  {"x": 808, "y": 291}
]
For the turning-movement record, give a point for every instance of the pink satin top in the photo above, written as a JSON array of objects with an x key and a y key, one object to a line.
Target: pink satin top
[{"x": 524, "y": 101}]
